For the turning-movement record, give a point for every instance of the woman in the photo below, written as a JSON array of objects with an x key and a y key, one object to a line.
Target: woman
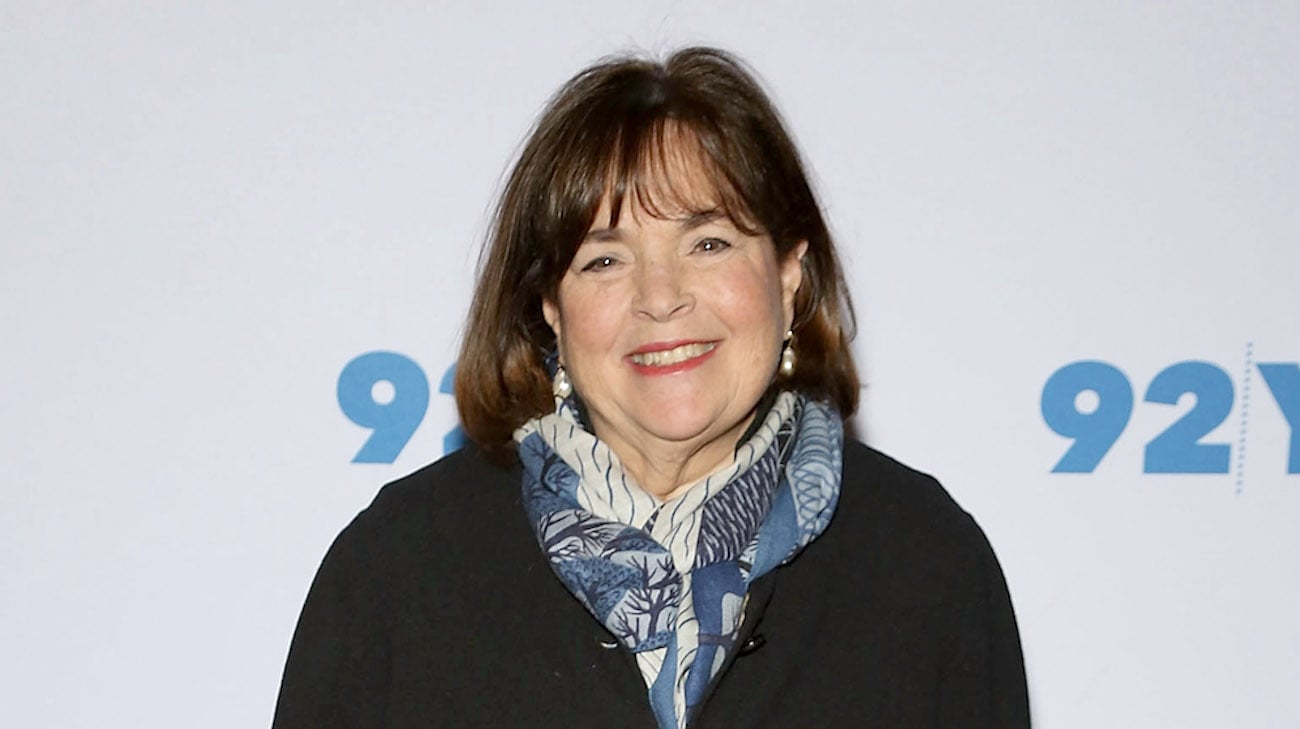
[{"x": 661, "y": 522}]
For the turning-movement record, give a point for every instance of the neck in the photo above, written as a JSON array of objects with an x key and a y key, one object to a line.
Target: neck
[
  {"x": 666, "y": 469},
  {"x": 666, "y": 478}
]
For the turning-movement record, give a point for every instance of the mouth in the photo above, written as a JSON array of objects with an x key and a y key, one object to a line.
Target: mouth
[{"x": 659, "y": 356}]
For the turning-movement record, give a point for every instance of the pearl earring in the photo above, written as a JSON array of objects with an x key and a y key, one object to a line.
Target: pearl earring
[
  {"x": 787, "y": 355},
  {"x": 560, "y": 385}
]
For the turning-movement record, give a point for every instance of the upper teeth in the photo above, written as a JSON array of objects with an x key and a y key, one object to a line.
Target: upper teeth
[{"x": 672, "y": 356}]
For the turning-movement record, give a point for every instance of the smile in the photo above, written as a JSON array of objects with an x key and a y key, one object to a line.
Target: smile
[{"x": 676, "y": 355}]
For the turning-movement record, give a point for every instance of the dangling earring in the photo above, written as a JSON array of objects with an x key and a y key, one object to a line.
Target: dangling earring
[
  {"x": 787, "y": 354},
  {"x": 560, "y": 385}
]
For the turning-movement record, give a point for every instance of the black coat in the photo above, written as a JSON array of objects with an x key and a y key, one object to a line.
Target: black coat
[{"x": 436, "y": 607}]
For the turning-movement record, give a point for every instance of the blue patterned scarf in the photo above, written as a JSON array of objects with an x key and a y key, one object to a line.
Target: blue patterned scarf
[{"x": 670, "y": 579}]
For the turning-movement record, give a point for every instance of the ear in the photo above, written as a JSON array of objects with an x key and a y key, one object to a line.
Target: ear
[
  {"x": 791, "y": 278},
  {"x": 551, "y": 313}
]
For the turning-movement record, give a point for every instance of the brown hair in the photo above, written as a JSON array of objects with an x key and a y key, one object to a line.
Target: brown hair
[{"x": 610, "y": 131}]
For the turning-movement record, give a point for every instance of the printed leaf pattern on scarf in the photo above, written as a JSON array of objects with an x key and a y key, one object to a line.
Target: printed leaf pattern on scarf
[{"x": 727, "y": 530}]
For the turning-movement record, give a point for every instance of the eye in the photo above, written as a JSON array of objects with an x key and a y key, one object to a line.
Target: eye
[
  {"x": 600, "y": 263},
  {"x": 712, "y": 245}
]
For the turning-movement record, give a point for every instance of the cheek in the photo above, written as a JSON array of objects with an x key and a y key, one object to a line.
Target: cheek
[
  {"x": 590, "y": 325},
  {"x": 754, "y": 304}
]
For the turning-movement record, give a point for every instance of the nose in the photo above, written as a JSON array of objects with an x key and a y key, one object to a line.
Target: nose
[{"x": 662, "y": 292}]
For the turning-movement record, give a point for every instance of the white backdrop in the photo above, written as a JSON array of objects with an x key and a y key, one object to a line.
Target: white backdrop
[{"x": 208, "y": 209}]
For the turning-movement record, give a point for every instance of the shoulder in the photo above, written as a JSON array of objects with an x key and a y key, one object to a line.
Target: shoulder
[
  {"x": 460, "y": 481},
  {"x": 922, "y": 566},
  {"x": 905, "y": 528},
  {"x": 464, "y": 479},
  {"x": 448, "y": 501},
  {"x": 883, "y": 485}
]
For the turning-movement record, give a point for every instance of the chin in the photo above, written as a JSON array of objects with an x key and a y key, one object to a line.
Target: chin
[{"x": 680, "y": 427}]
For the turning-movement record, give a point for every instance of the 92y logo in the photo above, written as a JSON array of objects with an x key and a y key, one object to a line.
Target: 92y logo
[
  {"x": 393, "y": 412},
  {"x": 1179, "y": 447}
]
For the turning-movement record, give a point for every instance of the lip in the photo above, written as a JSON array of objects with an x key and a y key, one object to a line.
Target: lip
[{"x": 682, "y": 366}]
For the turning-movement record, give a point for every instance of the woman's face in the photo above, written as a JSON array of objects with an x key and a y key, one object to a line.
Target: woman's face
[{"x": 671, "y": 328}]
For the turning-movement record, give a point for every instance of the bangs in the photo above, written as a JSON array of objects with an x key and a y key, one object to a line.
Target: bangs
[
  {"x": 654, "y": 139},
  {"x": 670, "y": 171}
]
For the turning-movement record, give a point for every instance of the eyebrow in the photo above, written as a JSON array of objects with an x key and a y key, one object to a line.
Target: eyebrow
[
  {"x": 701, "y": 218},
  {"x": 688, "y": 223}
]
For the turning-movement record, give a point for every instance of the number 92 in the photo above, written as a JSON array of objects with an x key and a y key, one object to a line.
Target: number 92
[{"x": 1177, "y": 449}]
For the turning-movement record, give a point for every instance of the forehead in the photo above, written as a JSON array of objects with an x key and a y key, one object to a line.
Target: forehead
[{"x": 670, "y": 177}]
